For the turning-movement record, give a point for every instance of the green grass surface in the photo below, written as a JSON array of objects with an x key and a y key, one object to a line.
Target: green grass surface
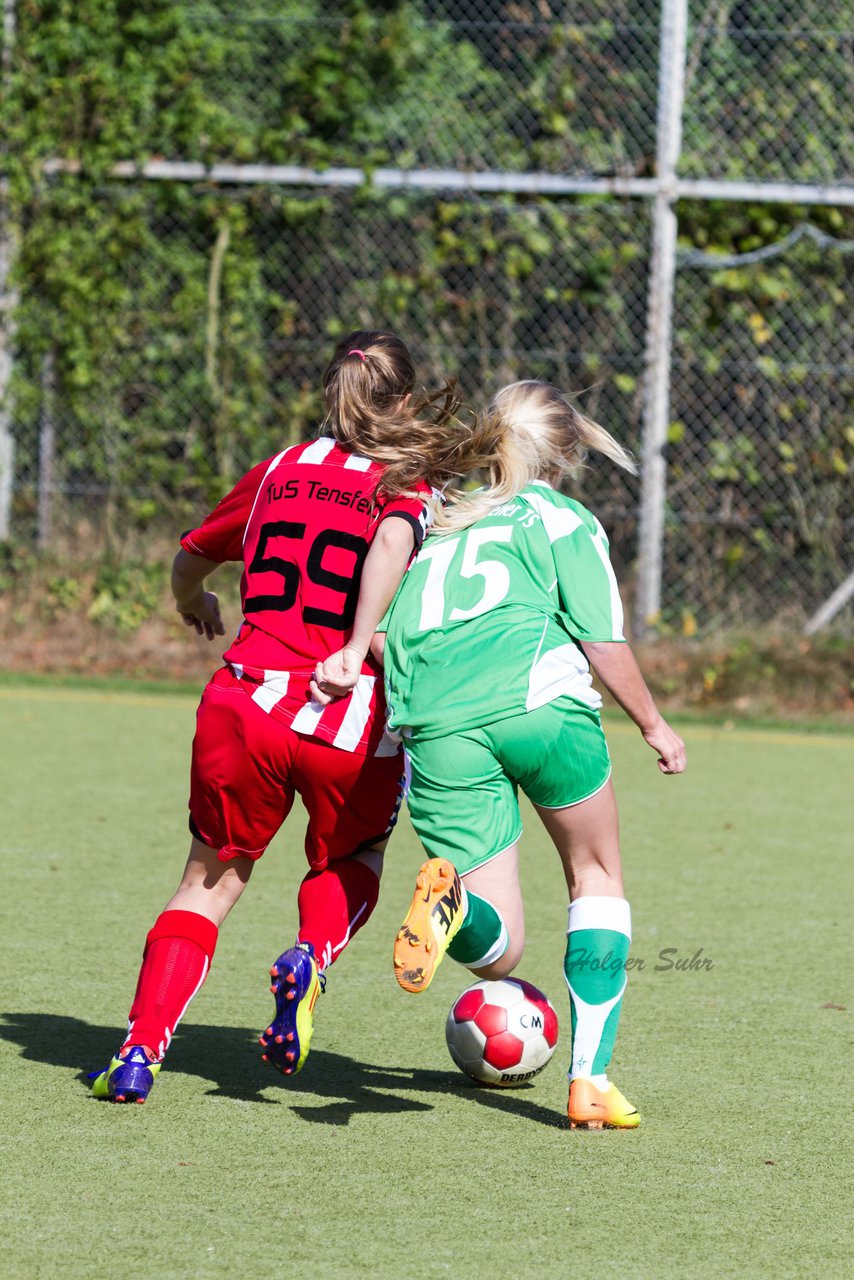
[{"x": 380, "y": 1159}]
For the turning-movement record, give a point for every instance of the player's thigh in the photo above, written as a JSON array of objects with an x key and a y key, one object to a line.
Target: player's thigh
[
  {"x": 352, "y": 801},
  {"x": 209, "y": 886},
  {"x": 559, "y": 756},
  {"x": 587, "y": 838},
  {"x": 240, "y": 787},
  {"x": 557, "y": 753},
  {"x": 462, "y": 803}
]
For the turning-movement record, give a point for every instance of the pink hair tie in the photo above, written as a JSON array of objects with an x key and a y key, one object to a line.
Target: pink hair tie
[{"x": 357, "y": 352}]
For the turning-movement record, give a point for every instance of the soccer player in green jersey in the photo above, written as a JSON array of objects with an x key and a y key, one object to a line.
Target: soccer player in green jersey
[{"x": 488, "y": 655}]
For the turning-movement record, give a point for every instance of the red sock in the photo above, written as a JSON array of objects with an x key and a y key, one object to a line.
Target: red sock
[
  {"x": 175, "y": 962},
  {"x": 333, "y": 906}
]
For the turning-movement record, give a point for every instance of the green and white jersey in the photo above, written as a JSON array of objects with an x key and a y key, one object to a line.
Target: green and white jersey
[{"x": 486, "y": 622}]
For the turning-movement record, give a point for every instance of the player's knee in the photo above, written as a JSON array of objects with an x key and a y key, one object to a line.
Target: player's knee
[{"x": 504, "y": 964}]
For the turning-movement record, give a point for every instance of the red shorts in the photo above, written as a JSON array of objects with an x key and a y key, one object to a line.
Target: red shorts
[{"x": 247, "y": 767}]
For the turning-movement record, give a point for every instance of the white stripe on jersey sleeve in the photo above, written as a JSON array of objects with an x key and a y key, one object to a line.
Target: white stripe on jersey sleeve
[
  {"x": 273, "y": 689},
  {"x": 358, "y": 713},
  {"x": 600, "y": 542},
  {"x": 272, "y": 466},
  {"x": 558, "y": 522},
  {"x": 317, "y": 450},
  {"x": 356, "y": 462}
]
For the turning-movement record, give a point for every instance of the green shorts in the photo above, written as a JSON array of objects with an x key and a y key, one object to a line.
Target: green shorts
[{"x": 462, "y": 797}]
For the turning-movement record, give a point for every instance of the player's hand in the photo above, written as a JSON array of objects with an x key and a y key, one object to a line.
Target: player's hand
[
  {"x": 203, "y": 614},
  {"x": 670, "y": 747},
  {"x": 336, "y": 675}
]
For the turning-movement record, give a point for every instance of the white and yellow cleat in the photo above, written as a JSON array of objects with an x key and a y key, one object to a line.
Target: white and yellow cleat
[
  {"x": 592, "y": 1108},
  {"x": 434, "y": 918}
]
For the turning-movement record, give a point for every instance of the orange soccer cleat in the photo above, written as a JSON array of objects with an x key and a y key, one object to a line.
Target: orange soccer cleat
[
  {"x": 593, "y": 1108},
  {"x": 433, "y": 920}
]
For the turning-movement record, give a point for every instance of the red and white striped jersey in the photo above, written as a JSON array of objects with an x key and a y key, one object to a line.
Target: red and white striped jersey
[{"x": 302, "y": 523}]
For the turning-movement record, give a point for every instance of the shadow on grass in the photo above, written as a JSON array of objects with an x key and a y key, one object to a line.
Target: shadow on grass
[{"x": 228, "y": 1058}]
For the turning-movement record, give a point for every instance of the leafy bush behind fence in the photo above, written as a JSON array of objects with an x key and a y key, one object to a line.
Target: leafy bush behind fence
[{"x": 168, "y": 335}]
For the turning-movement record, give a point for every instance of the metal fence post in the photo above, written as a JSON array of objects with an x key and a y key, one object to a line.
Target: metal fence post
[
  {"x": 662, "y": 271},
  {"x": 834, "y": 603},
  {"x": 8, "y": 296},
  {"x": 47, "y": 454},
  {"x": 7, "y": 441}
]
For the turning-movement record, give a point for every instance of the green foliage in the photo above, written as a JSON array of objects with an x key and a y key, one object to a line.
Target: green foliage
[
  {"x": 125, "y": 595},
  {"x": 98, "y": 81},
  {"x": 105, "y": 81},
  {"x": 771, "y": 78},
  {"x": 116, "y": 596},
  {"x": 16, "y": 562},
  {"x": 188, "y": 325},
  {"x": 769, "y": 387},
  {"x": 62, "y": 594}
]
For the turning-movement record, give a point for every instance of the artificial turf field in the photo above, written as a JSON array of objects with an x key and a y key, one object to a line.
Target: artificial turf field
[{"x": 380, "y": 1159}]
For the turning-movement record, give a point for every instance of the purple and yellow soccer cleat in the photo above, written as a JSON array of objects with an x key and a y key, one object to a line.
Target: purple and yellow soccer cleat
[
  {"x": 297, "y": 982},
  {"x": 127, "y": 1079}
]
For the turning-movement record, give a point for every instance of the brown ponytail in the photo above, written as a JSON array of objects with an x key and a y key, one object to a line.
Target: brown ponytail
[{"x": 365, "y": 388}]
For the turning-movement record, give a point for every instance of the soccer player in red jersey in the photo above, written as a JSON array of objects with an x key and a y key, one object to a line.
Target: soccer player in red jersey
[{"x": 325, "y": 531}]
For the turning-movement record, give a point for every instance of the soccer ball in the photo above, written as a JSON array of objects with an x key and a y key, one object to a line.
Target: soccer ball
[{"x": 502, "y": 1033}]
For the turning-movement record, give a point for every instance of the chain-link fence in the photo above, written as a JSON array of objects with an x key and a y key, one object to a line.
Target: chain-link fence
[
  {"x": 229, "y": 312},
  {"x": 169, "y": 335},
  {"x": 765, "y": 88},
  {"x": 476, "y": 85},
  {"x": 761, "y": 450},
  {"x": 526, "y": 85}
]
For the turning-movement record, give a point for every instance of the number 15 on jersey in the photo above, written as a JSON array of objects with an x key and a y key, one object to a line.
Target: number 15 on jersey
[{"x": 451, "y": 591}]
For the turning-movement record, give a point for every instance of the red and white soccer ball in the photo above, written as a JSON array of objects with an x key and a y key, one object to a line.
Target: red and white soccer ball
[{"x": 502, "y": 1033}]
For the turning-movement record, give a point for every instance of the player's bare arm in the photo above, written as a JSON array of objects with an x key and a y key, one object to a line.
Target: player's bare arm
[
  {"x": 378, "y": 647},
  {"x": 385, "y": 565},
  {"x": 198, "y": 608},
  {"x": 617, "y": 668}
]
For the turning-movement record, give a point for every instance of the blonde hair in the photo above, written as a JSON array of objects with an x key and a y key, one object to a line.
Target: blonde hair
[
  {"x": 530, "y": 431},
  {"x": 365, "y": 386}
]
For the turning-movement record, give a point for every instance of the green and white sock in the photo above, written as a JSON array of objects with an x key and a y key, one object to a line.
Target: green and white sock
[
  {"x": 482, "y": 937},
  {"x": 597, "y": 947}
]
